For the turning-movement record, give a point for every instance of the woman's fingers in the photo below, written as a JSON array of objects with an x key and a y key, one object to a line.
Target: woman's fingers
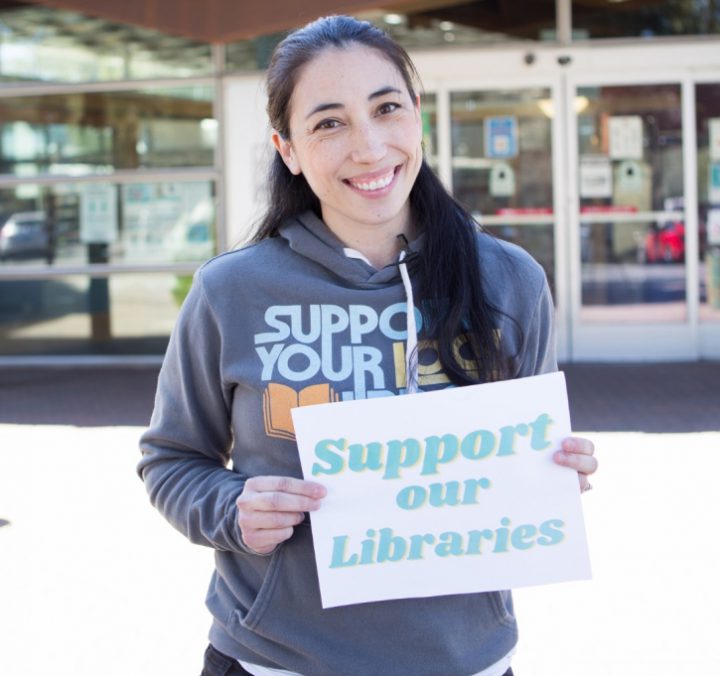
[
  {"x": 270, "y": 507},
  {"x": 578, "y": 454},
  {"x": 286, "y": 484}
]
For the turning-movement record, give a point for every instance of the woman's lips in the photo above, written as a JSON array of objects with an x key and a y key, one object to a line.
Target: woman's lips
[{"x": 370, "y": 184}]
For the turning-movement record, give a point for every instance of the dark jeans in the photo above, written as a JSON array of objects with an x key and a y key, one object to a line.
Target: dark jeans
[{"x": 217, "y": 664}]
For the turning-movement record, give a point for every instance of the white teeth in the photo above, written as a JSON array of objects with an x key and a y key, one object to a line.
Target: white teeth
[{"x": 375, "y": 184}]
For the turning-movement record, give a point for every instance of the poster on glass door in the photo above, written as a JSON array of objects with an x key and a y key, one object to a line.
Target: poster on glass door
[
  {"x": 626, "y": 137},
  {"x": 501, "y": 137},
  {"x": 596, "y": 179}
]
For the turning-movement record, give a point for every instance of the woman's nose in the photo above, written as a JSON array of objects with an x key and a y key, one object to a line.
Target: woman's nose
[{"x": 369, "y": 144}]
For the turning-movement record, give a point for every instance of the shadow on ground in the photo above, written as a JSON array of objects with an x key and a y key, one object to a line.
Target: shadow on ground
[{"x": 666, "y": 397}]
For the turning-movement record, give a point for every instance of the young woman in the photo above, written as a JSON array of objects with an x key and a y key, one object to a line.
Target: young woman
[{"x": 363, "y": 268}]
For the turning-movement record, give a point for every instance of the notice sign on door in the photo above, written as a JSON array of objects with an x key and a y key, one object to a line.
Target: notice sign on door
[
  {"x": 626, "y": 137},
  {"x": 501, "y": 134},
  {"x": 595, "y": 176},
  {"x": 445, "y": 492},
  {"x": 98, "y": 214}
]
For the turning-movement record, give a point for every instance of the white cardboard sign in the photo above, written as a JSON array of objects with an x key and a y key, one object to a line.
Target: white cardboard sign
[{"x": 445, "y": 492}]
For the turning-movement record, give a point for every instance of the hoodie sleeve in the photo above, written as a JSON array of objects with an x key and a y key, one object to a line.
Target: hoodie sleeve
[
  {"x": 538, "y": 353},
  {"x": 186, "y": 449}
]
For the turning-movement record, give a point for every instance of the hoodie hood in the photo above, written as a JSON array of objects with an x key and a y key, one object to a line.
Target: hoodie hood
[{"x": 308, "y": 236}]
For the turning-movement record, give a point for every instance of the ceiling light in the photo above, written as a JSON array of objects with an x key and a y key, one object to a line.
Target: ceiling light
[{"x": 393, "y": 19}]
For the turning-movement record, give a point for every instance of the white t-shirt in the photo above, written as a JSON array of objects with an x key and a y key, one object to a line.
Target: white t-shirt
[{"x": 497, "y": 669}]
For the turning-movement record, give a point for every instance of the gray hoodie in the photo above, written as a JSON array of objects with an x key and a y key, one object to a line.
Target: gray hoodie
[{"x": 291, "y": 321}]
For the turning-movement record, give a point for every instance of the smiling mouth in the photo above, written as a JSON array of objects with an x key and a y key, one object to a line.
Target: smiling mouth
[{"x": 375, "y": 184}]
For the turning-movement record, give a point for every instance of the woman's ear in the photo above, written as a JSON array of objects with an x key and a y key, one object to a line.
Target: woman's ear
[{"x": 284, "y": 147}]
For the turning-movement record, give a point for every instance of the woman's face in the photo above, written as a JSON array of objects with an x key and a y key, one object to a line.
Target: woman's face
[{"x": 355, "y": 134}]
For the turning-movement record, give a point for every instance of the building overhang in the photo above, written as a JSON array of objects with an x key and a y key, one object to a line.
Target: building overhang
[{"x": 219, "y": 21}]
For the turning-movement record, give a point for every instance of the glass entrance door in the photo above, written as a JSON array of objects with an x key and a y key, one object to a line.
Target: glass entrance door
[
  {"x": 605, "y": 165},
  {"x": 631, "y": 268},
  {"x": 502, "y": 165},
  {"x": 631, "y": 204}
]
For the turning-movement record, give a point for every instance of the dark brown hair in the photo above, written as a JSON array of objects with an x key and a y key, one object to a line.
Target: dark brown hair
[{"x": 450, "y": 283}]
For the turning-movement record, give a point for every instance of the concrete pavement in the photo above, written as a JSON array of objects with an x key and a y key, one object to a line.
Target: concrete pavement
[
  {"x": 94, "y": 582},
  {"x": 672, "y": 397}
]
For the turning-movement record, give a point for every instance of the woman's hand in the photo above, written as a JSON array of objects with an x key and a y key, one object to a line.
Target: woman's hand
[
  {"x": 577, "y": 453},
  {"x": 270, "y": 507}
]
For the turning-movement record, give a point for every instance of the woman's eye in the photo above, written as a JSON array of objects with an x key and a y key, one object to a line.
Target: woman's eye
[
  {"x": 386, "y": 108},
  {"x": 326, "y": 124}
]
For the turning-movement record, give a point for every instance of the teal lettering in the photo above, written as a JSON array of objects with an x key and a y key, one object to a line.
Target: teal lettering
[
  {"x": 507, "y": 438},
  {"x": 401, "y": 454},
  {"x": 522, "y": 537},
  {"x": 411, "y": 497},
  {"x": 339, "y": 559},
  {"x": 416, "y": 545},
  {"x": 367, "y": 547},
  {"x": 445, "y": 494},
  {"x": 551, "y": 532},
  {"x": 439, "y": 450},
  {"x": 335, "y": 462},
  {"x": 501, "y": 536},
  {"x": 475, "y": 538},
  {"x": 478, "y": 444},
  {"x": 390, "y": 547},
  {"x": 538, "y": 440},
  {"x": 361, "y": 457},
  {"x": 452, "y": 545},
  {"x": 471, "y": 489}
]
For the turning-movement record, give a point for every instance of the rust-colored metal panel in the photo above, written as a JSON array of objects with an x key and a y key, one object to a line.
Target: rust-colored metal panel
[{"x": 217, "y": 20}]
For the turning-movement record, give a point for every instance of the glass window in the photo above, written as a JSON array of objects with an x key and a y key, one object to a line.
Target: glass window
[
  {"x": 38, "y": 43},
  {"x": 79, "y": 315},
  {"x": 632, "y": 218},
  {"x": 501, "y": 146},
  {"x": 437, "y": 24},
  {"x": 97, "y": 132},
  {"x": 642, "y": 18},
  {"x": 468, "y": 23},
  {"x": 502, "y": 165},
  {"x": 134, "y": 224},
  {"x": 708, "y": 140},
  {"x": 252, "y": 54}
]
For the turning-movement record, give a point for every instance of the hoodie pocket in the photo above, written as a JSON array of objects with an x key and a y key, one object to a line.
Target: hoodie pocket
[
  {"x": 502, "y": 604},
  {"x": 265, "y": 593}
]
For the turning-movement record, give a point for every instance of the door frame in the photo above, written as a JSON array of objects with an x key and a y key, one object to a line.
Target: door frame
[{"x": 708, "y": 332}]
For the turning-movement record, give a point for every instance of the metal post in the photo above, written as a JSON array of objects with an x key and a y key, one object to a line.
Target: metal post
[{"x": 563, "y": 19}]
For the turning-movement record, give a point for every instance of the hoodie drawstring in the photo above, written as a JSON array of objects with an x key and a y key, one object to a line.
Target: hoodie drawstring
[{"x": 411, "y": 347}]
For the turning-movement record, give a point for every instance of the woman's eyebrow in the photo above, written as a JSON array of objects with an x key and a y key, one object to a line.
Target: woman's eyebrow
[
  {"x": 384, "y": 91},
  {"x": 322, "y": 107}
]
